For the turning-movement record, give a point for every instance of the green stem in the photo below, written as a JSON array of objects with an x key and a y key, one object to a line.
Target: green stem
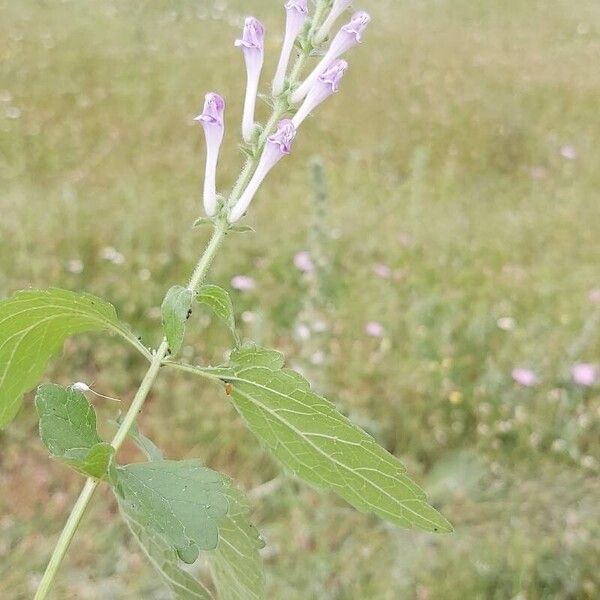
[
  {"x": 90, "y": 486},
  {"x": 160, "y": 354}
]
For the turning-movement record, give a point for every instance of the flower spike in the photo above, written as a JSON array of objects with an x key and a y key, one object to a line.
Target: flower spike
[
  {"x": 253, "y": 46},
  {"x": 278, "y": 145},
  {"x": 297, "y": 13},
  {"x": 327, "y": 83},
  {"x": 339, "y": 6},
  {"x": 348, "y": 36},
  {"x": 211, "y": 120}
]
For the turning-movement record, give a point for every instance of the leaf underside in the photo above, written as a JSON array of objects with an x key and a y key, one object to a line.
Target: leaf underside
[
  {"x": 175, "y": 311},
  {"x": 68, "y": 430},
  {"x": 318, "y": 444},
  {"x": 236, "y": 564},
  {"x": 180, "y": 501},
  {"x": 33, "y": 327},
  {"x": 219, "y": 301},
  {"x": 165, "y": 560}
]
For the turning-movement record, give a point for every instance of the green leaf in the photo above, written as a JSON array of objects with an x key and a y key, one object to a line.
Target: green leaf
[
  {"x": 175, "y": 312},
  {"x": 164, "y": 560},
  {"x": 181, "y": 501},
  {"x": 219, "y": 301},
  {"x": 241, "y": 229},
  {"x": 236, "y": 564},
  {"x": 33, "y": 327},
  {"x": 202, "y": 221},
  {"x": 317, "y": 443},
  {"x": 68, "y": 430},
  {"x": 146, "y": 445}
]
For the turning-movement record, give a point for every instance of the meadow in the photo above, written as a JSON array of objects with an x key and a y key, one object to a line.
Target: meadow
[{"x": 459, "y": 241}]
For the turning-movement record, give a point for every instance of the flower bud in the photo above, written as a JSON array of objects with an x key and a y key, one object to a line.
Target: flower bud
[
  {"x": 212, "y": 122},
  {"x": 327, "y": 84},
  {"x": 278, "y": 145},
  {"x": 253, "y": 46},
  {"x": 297, "y": 13},
  {"x": 347, "y": 37},
  {"x": 339, "y": 6}
]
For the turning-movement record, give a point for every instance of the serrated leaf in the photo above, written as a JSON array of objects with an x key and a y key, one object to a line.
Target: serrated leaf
[
  {"x": 219, "y": 301},
  {"x": 236, "y": 564},
  {"x": 33, "y": 327},
  {"x": 68, "y": 430},
  {"x": 181, "y": 501},
  {"x": 317, "y": 443},
  {"x": 175, "y": 311},
  {"x": 164, "y": 560}
]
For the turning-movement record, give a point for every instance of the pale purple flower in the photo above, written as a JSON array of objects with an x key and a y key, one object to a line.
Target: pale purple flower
[
  {"x": 303, "y": 262},
  {"x": 382, "y": 271},
  {"x": 594, "y": 296},
  {"x": 348, "y": 36},
  {"x": 524, "y": 377},
  {"x": 569, "y": 152},
  {"x": 326, "y": 84},
  {"x": 278, "y": 145},
  {"x": 374, "y": 329},
  {"x": 585, "y": 374},
  {"x": 212, "y": 122},
  {"x": 253, "y": 46},
  {"x": 339, "y": 6},
  {"x": 297, "y": 14},
  {"x": 243, "y": 283}
]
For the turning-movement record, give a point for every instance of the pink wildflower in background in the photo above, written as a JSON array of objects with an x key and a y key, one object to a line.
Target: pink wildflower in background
[
  {"x": 243, "y": 283},
  {"x": 569, "y": 152},
  {"x": 303, "y": 262},
  {"x": 585, "y": 374},
  {"x": 374, "y": 329},
  {"x": 382, "y": 271},
  {"x": 594, "y": 296},
  {"x": 525, "y": 377}
]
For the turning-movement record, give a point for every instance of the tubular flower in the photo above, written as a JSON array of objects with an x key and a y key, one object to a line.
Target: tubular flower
[
  {"x": 348, "y": 36},
  {"x": 297, "y": 13},
  {"x": 212, "y": 122},
  {"x": 278, "y": 145},
  {"x": 339, "y": 6},
  {"x": 253, "y": 46},
  {"x": 327, "y": 83}
]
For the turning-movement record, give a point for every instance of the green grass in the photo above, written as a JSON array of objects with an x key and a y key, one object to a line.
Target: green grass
[{"x": 443, "y": 161}]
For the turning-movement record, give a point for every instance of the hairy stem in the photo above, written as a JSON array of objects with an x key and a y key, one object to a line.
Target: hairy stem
[{"x": 90, "y": 486}]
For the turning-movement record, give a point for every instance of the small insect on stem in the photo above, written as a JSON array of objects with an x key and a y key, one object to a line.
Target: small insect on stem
[{"x": 229, "y": 389}]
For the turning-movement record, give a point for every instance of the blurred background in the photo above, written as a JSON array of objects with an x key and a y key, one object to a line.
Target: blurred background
[{"x": 435, "y": 272}]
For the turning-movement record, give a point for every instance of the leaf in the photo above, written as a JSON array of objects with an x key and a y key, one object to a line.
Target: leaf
[
  {"x": 219, "y": 301},
  {"x": 146, "y": 445},
  {"x": 175, "y": 312},
  {"x": 68, "y": 430},
  {"x": 164, "y": 560},
  {"x": 236, "y": 564},
  {"x": 311, "y": 438},
  {"x": 241, "y": 229},
  {"x": 202, "y": 221},
  {"x": 33, "y": 327},
  {"x": 181, "y": 501}
]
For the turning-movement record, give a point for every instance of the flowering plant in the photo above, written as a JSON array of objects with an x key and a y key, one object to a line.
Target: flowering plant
[{"x": 177, "y": 509}]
